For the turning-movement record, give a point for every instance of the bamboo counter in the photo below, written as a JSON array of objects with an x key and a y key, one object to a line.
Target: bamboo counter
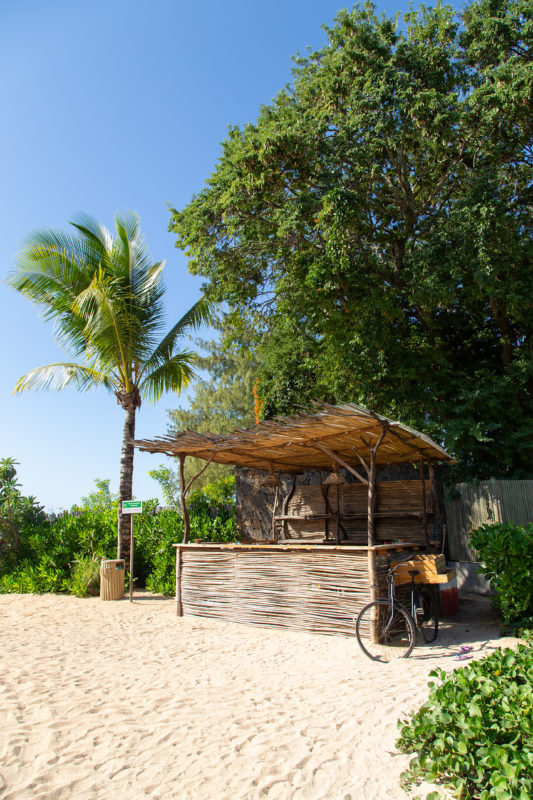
[{"x": 306, "y": 587}]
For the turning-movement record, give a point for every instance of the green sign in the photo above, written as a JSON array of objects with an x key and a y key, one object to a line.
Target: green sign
[{"x": 132, "y": 506}]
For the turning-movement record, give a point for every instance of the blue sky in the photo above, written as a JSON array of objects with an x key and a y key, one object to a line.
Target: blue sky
[{"x": 114, "y": 105}]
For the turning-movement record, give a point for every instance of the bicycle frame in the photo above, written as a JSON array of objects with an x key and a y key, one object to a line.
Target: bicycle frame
[
  {"x": 387, "y": 622},
  {"x": 392, "y": 597}
]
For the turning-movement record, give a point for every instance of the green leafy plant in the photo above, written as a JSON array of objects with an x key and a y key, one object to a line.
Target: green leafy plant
[
  {"x": 85, "y": 577},
  {"x": 16, "y": 511},
  {"x": 63, "y": 553},
  {"x": 35, "y": 578},
  {"x": 475, "y": 732},
  {"x": 506, "y": 551},
  {"x": 212, "y": 518}
]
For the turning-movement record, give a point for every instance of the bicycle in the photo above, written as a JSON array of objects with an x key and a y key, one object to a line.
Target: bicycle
[{"x": 386, "y": 630}]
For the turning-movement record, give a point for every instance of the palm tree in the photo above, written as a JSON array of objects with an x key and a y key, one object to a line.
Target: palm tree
[{"x": 106, "y": 299}]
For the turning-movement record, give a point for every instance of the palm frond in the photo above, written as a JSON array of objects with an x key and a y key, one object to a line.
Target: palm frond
[
  {"x": 52, "y": 269},
  {"x": 101, "y": 240},
  {"x": 199, "y": 314},
  {"x": 105, "y": 297},
  {"x": 131, "y": 252},
  {"x": 173, "y": 375},
  {"x": 51, "y": 266},
  {"x": 108, "y": 328},
  {"x": 55, "y": 377}
]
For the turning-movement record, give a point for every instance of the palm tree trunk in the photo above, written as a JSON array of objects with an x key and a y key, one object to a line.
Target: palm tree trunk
[{"x": 126, "y": 484}]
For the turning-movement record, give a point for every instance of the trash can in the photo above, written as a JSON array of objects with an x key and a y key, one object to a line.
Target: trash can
[{"x": 112, "y": 579}]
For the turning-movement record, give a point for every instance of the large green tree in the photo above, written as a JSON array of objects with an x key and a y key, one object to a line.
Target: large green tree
[
  {"x": 373, "y": 227},
  {"x": 105, "y": 296}
]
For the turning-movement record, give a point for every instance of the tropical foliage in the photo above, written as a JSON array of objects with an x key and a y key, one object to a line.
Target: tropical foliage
[
  {"x": 105, "y": 296},
  {"x": 16, "y": 511},
  {"x": 475, "y": 732},
  {"x": 63, "y": 553},
  {"x": 506, "y": 553},
  {"x": 371, "y": 230}
]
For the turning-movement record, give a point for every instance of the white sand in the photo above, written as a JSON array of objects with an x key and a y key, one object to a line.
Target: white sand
[{"x": 118, "y": 700}]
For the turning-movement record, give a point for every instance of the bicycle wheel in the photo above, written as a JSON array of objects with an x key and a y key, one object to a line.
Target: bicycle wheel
[
  {"x": 426, "y": 616},
  {"x": 394, "y": 633}
]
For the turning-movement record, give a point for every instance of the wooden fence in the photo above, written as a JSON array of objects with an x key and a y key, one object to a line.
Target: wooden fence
[{"x": 484, "y": 503}]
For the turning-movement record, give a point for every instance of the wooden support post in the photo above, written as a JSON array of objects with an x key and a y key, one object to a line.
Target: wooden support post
[
  {"x": 374, "y": 590},
  {"x": 285, "y": 505},
  {"x": 337, "y": 520},
  {"x": 371, "y": 511},
  {"x": 183, "y": 492},
  {"x": 179, "y": 607},
  {"x": 371, "y": 502},
  {"x": 425, "y": 512},
  {"x": 432, "y": 488},
  {"x": 324, "y": 490},
  {"x": 433, "y": 506},
  {"x": 274, "y": 509}
]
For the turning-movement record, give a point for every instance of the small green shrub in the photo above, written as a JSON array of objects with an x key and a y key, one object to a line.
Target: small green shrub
[
  {"x": 506, "y": 551},
  {"x": 85, "y": 578},
  {"x": 475, "y": 732}
]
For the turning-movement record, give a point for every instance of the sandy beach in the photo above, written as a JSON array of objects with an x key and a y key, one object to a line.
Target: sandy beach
[{"x": 118, "y": 700}]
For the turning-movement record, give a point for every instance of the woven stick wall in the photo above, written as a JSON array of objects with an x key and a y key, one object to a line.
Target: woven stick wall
[
  {"x": 319, "y": 591},
  {"x": 398, "y": 512}
]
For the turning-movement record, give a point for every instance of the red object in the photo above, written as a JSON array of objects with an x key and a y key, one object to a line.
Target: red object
[{"x": 449, "y": 598}]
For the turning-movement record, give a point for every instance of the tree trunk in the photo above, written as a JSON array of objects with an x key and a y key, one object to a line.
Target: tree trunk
[{"x": 126, "y": 484}]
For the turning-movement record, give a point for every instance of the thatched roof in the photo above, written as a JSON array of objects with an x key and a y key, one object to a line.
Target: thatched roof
[{"x": 305, "y": 441}]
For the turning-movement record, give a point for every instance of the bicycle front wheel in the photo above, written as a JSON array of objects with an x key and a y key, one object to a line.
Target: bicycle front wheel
[
  {"x": 385, "y": 634},
  {"x": 427, "y": 617}
]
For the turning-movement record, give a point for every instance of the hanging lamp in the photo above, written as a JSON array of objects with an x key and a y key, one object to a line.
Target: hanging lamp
[{"x": 335, "y": 478}]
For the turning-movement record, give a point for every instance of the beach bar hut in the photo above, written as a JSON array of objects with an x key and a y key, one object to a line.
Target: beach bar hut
[{"x": 329, "y": 544}]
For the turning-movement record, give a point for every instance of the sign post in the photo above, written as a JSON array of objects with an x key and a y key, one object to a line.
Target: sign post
[{"x": 131, "y": 507}]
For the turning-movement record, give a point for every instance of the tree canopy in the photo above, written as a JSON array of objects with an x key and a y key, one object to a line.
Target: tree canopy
[{"x": 371, "y": 230}]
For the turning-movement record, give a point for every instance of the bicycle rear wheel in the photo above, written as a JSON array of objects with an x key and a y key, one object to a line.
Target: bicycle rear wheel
[
  {"x": 427, "y": 617},
  {"x": 384, "y": 635}
]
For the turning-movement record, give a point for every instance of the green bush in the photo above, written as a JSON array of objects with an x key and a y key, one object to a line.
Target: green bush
[
  {"x": 85, "y": 578},
  {"x": 35, "y": 578},
  {"x": 154, "y": 554},
  {"x": 506, "y": 551},
  {"x": 475, "y": 732},
  {"x": 63, "y": 554},
  {"x": 212, "y": 519},
  {"x": 16, "y": 511}
]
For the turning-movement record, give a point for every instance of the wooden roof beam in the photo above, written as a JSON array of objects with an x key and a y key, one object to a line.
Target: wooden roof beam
[{"x": 339, "y": 460}]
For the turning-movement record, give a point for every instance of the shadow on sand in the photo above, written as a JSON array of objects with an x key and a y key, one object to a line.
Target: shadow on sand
[{"x": 477, "y": 625}]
